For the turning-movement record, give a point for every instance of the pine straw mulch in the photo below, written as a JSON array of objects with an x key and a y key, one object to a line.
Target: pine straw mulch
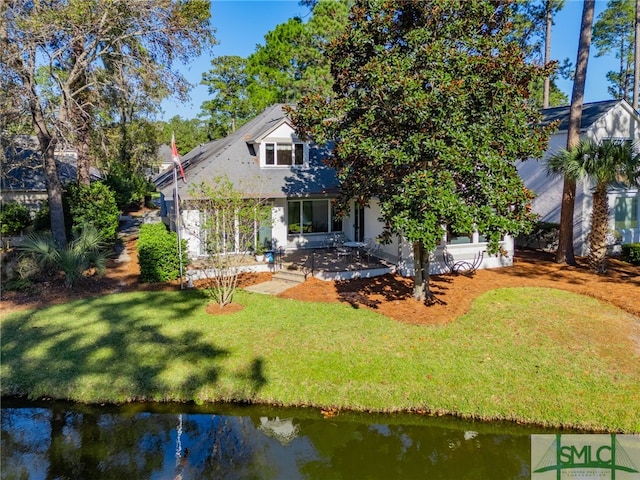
[{"x": 389, "y": 294}]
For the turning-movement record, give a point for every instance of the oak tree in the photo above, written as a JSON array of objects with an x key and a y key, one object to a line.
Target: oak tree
[{"x": 82, "y": 48}]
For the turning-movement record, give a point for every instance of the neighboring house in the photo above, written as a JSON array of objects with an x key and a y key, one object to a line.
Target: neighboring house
[
  {"x": 22, "y": 177},
  {"x": 165, "y": 160},
  {"x": 611, "y": 119},
  {"x": 265, "y": 158}
]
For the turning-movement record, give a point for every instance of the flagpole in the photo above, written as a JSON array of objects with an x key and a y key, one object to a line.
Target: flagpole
[{"x": 176, "y": 201}]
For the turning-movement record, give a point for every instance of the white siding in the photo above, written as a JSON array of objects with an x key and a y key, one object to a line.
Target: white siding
[{"x": 618, "y": 123}]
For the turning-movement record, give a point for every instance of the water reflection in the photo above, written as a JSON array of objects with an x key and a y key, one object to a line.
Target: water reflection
[{"x": 63, "y": 441}]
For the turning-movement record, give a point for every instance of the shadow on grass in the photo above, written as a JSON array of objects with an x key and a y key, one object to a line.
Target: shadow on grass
[{"x": 117, "y": 348}]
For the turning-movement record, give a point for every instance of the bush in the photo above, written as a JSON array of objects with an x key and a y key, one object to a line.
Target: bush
[
  {"x": 544, "y": 236},
  {"x": 94, "y": 205},
  {"x": 158, "y": 253},
  {"x": 14, "y": 218},
  {"x": 82, "y": 253},
  {"x": 631, "y": 253},
  {"x": 130, "y": 189}
]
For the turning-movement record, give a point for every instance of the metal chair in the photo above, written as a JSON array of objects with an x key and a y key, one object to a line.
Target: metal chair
[{"x": 372, "y": 248}]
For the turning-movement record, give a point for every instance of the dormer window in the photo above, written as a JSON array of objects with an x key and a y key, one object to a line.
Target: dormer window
[{"x": 283, "y": 154}]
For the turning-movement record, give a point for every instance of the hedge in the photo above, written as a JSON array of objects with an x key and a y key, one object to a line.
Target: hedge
[
  {"x": 14, "y": 218},
  {"x": 631, "y": 253},
  {"x": 158, "y": 253}
]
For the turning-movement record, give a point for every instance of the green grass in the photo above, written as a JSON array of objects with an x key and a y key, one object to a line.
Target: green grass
[{"x": 525, "y": 354}]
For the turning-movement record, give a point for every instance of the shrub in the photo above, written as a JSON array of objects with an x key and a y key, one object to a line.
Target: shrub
[
  {"x": 130, "y": 189},
  {"x": 85, "y": 251},
  {"x": 158, "y": 253},
  {"x": 14, "y": 218},
  {"x": 94, "y": 205},
  {"x": 544, "y": 235},
  {"x": 631, "y": 253}
]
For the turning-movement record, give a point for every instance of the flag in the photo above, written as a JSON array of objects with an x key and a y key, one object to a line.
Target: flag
[{"x": 175, "y": 156}]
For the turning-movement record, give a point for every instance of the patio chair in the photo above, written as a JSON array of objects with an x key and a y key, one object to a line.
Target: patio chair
[
  {"x": 372, "y": 248},
  {"x": 465, "y": 267},
  {"x": 343, "y": 252}
]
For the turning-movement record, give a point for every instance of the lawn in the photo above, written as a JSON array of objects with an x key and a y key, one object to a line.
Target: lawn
[{"x": 531, "y": 355}]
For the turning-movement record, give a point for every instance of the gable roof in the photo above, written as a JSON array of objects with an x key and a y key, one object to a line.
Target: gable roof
[
  {"x": 591, "y": 112},
  {"x": 236, "y": 157}
]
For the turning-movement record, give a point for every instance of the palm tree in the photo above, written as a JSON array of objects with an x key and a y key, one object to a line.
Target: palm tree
[
  {"x": 84, "y": 252},
  {"x": 603, "y": 163}
]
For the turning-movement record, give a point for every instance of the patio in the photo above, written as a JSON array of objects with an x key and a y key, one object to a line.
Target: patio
[
  {"x": 322, "y": 263},
  {"x": 333, "y": 264}
]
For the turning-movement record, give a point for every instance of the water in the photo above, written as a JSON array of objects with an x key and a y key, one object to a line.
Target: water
[{"x": 54, "y": 440}]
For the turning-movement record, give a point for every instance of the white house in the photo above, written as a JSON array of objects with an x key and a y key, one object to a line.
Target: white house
[
  {"x": 611, "y": 119},
  {"x": 265, "y": 157}
]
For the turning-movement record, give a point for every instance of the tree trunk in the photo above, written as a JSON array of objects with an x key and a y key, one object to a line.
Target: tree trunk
[
  {"x": 565, "y": 252},
  {"x": 83, "y": 149},
  {"x": 421, "y": 291},
  {"x": 80, "y": 118},
  {"x": 597, "y": 258},
  {"x": 636, "y": 57},
  {"x": 547, "y": 53},
  {"x": 54, "y": 189}
]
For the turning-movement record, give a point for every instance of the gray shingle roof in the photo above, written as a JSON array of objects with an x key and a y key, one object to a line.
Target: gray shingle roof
[
  {"x": 22, "y": 169},
  {"x": 235, "y": 157},
  {"x": 591, "y": 112}
]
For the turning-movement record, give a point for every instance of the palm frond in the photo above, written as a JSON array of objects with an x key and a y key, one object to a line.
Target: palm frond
[{"x": 42, "y": 247}]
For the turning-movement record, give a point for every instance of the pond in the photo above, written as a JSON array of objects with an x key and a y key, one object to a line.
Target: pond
[{"x": 42, "y": 440}]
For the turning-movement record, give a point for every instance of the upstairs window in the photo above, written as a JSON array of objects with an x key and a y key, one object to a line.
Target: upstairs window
[{"x": 283, "y": 154}]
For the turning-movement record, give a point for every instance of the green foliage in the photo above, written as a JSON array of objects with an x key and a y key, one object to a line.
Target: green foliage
[
  {"x": 14, "y": 218},
  {"x": 98, "y": 62},
  {"x": 230, "y": 106},
  {"x": 129, "y": 189},
  {"x": 230, "y": 222},
  {"x": 602, "y": 163},
  {"x": 557, "y": 97},
  {"x": 631, "y": 253},
  {"x": 614, "y": 32},
  {"x": 94, "y": 205},
  {"x": 529, "y": 22},
  {"x": 189, "y": 133},
  {"x": 292, "y": 62},
  {"x": 158, "y": 254},
  {"x": 84, "y": 252},
  {"x": 431, "y": 115},
  {"x": 17, "y": 285},
  {"x": 125, "y": 142}
]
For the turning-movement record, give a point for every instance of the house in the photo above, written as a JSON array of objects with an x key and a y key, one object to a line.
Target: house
[
  {"x": 265, "y": 158},
  {"x": 611, "y": 119},
  {"x": 22, "y": 178}
]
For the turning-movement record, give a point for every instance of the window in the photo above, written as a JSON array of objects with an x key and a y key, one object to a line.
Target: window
[
  {"x": 284, "y": 154},
  {"x": 309, "y": 216},
  {"x": 626, "y": 212},
  {"x": 455, "y": 238}
]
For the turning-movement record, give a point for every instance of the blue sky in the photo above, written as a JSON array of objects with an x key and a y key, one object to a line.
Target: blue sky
[{"x": 242, "y": 24}]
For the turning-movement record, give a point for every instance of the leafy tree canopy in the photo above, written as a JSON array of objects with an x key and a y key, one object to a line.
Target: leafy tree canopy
[
  {"x": 65, "y": 62},
  {"x": 292, "y": 62},
  {"x": 614, "y": 32},
  {"x": 188, "y": 133},
  {"x": 429, "y": 116}
]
